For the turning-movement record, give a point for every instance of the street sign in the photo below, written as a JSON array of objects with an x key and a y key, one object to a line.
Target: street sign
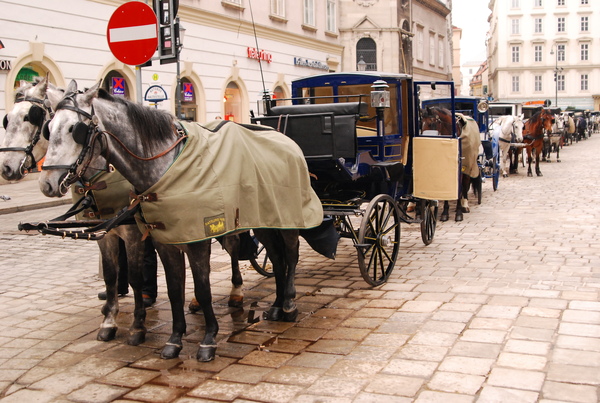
[
  {"x": 155, "y": 93},
  {"x": 132, "y": 33}
]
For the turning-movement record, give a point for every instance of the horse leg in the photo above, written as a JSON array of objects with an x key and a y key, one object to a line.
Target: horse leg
[
  {"x": 174, "y": 263},
  {"x": 537, "y": 163},
  {"x": 445, "y": 215},
  {"x": 199, "y": 258},
  {"x": 135, "y": 260},
  {"x": 505, "y": 157},
  {"x": 282, "y": 247},
  {"x": 109, "y": 247},
  {"x": 529, "y": 158},
  {"x": 231, "y": 243}
]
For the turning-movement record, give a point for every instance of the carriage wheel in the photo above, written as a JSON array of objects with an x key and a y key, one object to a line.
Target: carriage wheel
[
  {"x": 496, "y": 173},
  {"x": 429, "y": 210},
  {"x": 379, "y": 239},
  {"x": 261, "y": 262}
]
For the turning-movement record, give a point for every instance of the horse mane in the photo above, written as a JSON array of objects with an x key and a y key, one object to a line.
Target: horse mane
[{"x": 153, "y": 123}]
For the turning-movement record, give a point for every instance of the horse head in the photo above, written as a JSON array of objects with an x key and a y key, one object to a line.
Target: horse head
[
  {"x": 517, "y": 128},
  {"x": 438, "y": 119},
  {"x": 23, "y": 145},
  {"x": 70, "y": 142},
  {"x": 547, "y": 118}
]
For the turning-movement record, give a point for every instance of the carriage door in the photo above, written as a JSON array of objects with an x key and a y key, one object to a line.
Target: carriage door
[{"x": 436, "y": 158}]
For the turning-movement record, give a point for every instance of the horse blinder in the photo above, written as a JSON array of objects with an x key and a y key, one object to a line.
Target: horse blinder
[
  {"x": 36, "y": 115},
  {"x": 46, "y": 130},
  {"x": 81, "y": 133},
  {"x": 5, "y": 122}
]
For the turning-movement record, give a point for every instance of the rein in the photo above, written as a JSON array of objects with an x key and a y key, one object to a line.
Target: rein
[
  {"x": 23, "y": 169},
  {"x": 176, "y": 128}
]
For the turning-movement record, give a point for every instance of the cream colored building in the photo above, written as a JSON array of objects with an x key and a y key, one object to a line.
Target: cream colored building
[
  {"x": 219, "y": 62},
  {"x": 531, "y": 40}
]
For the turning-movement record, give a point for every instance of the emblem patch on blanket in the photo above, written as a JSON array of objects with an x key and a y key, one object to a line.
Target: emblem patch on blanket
[{"x": 227, "y": 178}]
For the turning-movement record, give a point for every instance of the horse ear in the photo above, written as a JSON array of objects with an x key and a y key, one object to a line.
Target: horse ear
[
  {"x": 40, "y": 88},
  {"x": 72, "y": 86},
  {"x": 92, "y": 92}
]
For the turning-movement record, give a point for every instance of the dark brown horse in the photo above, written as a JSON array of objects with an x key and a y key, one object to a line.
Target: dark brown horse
[
  {"x": 467, "y": 130},
  {"x": 533, "y": 136}
]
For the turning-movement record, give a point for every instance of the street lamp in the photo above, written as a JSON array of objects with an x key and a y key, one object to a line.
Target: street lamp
[
  {"x": 179, "y": 45},
  {"x": 556, "y": 71},
  {"x": 361, "y": 65}
]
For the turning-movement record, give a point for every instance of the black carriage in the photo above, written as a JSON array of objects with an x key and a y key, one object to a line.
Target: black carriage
[{"x": 367, "y": 158}]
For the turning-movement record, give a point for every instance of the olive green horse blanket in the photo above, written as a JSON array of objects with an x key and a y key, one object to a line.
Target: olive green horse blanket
[
  {"x": 230, "y": 177},
  {"x": 110, "y": 192}
]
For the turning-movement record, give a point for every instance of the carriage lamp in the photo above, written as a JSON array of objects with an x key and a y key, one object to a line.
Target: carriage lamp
[
  {"x": 380, "y": 99},
  {"x": 380, "y": 96}
]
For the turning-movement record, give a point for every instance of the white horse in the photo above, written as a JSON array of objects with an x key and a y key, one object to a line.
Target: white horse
[
  {"x": 509, "y": 130},
  {"x": 554, "y": 141}
]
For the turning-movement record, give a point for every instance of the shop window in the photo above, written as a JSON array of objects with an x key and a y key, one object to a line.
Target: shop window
[
  {"x": 114, "y": 83},
  {"x": 232, "y": 104}
]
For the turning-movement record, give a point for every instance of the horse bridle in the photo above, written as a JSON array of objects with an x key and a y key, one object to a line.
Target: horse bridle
[
  {"x": 84, "y": 134},
  {"x": 38, "y": 116}
]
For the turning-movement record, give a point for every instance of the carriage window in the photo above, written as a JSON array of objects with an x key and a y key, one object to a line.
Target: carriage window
[
  {"x": 584, "y": 82},
  {"x": 308, "y": 92},
  {"x": 537, "y": 84},
  {"x": 367, "y": 49},
  {"x": 390, "y": 114}
]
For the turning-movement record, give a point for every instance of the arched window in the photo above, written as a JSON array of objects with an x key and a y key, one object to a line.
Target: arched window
[
  {"x": 232, "y": 103},
  {"x": 366, "y": 50},
  {"x": 116, "y": 84}
]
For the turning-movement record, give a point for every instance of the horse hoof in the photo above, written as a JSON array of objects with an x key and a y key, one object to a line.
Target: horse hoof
[
  {"x": 444, "y": 217},
  {"x": 170, "y": 351},
  {"x": 206, "y": 353},
  {"x": 137, "y": 338},
  {"x": 557, "y": 160},
  {"x": 275, "y": 314},
  {"x": 539, "y": 174},
  {"x": 290, "y": 316},
  {"x": 465, "y": 209},
  {"x": 458, "y": 217},
  {"x": 194, "y": 305},
  {"x": 235, "y": 302},
  {"x": 529, "y": 174},
  {"x": 106, "y": 334}
]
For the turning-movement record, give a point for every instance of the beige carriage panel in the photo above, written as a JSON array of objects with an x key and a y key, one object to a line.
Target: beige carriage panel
[
  {"x": 362, "y": 131},
  {"x": 435, "y": 168}
]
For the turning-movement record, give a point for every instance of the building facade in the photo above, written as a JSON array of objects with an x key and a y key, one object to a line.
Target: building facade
[
  {"x": 224, "y": 68},
  {"x": 543, "y": 50}
]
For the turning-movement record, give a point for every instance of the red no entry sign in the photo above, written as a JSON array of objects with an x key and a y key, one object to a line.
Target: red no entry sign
[{"x": 132, "y": 33}]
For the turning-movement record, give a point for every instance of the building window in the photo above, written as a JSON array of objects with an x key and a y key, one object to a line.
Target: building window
[
  {"x": 331, "y": 16},
  {"x": 538, "y": 3},
  {"x": 584, "y": 2},
  {"x": 561, "y": 24},
  {"x": 278, "y": 8},
  {"x": 515, "y": 4},
  {"x": 584, "y": 24},
  {"x": 560, "y": 2},
  {"x": 560, "y": 82},
  {"x": 515, "y": 54},
  {"x": 584, "y": 82},
  {"x": 561, "y": 53},
  {"x": 515, "y": 83},
  {"x": 431, "y": 49},
  {"x": 420, "y": 43},
  {"x": 538, "y": 26},
  {"x": 537, "y": 84},
  {"x": 309, "y": 12},
  {"x": 441, "y": 51},
  {"x": 584, "y": 51},
  {"x": 514, "y": 26},
  {"x": 537, "y": 53},
  {"x": 366, "y": 49}
]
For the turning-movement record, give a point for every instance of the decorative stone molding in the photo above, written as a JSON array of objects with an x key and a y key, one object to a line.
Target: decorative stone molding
[{"x": 366, "y": 3}]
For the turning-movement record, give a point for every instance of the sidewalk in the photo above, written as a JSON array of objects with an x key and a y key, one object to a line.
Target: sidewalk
[{"x": 26, "y": 195}]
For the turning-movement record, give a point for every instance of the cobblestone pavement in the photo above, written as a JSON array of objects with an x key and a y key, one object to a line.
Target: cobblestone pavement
[{"x": 502, "y": 307}]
